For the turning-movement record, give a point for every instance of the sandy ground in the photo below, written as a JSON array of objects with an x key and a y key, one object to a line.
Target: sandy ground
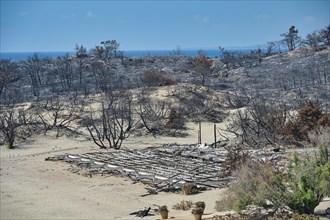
[{"x": 32, "y": 188}]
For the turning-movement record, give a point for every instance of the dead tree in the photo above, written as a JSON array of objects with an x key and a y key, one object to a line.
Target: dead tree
[
  {"x": 325, "y": 35},
  {"x": 237, "y": 99},
  {"x": 57, "y": 113},
  {"x": 202, "y": 67},
  {"x": 260, "y": 124},
  {"x": 228, "y": 58},
  {"x": 12, "y": 120},
  {"x": 114, "y": 124},
  {"x": 104, "y": 75},
  {"x": 313, "y": 40},
  {"x": 153, "y": 114},
  {"x": 270, "y": 47},
  {"x": 8, "y": 73},
  {"x": 111, "y": 48},
  {"x": 65, "y": 72},
  {"x": 81, "y": 66},
  {"x": 81, "y": 51},
  {"x": 34, "y": 67},
  {"x": 291, "y": 38},
  {"x": 198, "y": 103}
]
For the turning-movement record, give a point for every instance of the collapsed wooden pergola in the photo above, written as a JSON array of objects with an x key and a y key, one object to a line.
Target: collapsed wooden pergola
[{"x": 165, "y": 168}]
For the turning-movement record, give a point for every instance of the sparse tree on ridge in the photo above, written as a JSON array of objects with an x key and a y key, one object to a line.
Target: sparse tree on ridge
[
  {"x": 81, "y": 51},
  {"x": 291, "y": 38},
  {"x": 228, "y": 58},
  {"x": 111, "y": 48},
  {"x": 270, "y": 47},
  {"x": 108, "y": 49},
  {"x": 202, "y": 67},
  {"x": 98, "y": 52},
  {"x": 325, "y": 35},
  {"x": 178, "y": 51},
  {"x": 313, "y": 40}
]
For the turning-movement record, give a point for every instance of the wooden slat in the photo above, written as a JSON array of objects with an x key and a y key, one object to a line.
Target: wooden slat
[{"x": 159, "y": 167}]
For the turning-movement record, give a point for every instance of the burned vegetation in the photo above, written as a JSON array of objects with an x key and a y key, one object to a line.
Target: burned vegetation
[{"x": 267, "y": 102}]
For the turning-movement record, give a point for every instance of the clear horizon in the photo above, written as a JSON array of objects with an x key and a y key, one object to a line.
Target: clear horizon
[
  {"x": 54, "y": 26},
  {"x": 183, "y": 49}
]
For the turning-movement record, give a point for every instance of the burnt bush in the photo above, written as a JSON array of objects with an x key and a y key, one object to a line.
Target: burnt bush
[
  {"x": 309, "y": 117},
  {"x": 260, "y": 124},
  {"x": 154, "y": 78},
  {"x": 176, "y": 120}
]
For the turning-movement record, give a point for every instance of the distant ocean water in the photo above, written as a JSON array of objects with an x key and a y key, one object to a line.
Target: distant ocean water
[{"x": 20, "y": 56}]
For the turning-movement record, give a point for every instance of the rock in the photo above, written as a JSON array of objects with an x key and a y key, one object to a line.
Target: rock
[
  {"x": 254, "y": 212},
  {"x": 327, "y": 211},
  {"x": 284, "y": 210}
]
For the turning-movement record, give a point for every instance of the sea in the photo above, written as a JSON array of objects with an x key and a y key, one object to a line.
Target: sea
[{"x": 213, "y": 53}]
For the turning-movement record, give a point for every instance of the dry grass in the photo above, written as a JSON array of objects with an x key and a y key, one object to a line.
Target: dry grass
[
  {"x": 320, "y": 136},
  {"x": 183, "y": 205},
  {"x": 251, "y": 185},
  {"x": 224, "y": 204}
]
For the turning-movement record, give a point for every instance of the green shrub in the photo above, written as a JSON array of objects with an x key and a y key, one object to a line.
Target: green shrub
[
  {"x": 309, "y": 181},
  {"x": 301, "y": 187},
  {"x": 256, "y": 182}
]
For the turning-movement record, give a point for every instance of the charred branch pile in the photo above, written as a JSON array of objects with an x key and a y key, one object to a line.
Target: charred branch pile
[{"x": 165, "y": 168}]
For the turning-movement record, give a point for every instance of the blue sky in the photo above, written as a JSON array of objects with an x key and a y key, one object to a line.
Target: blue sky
[{"x": 28, "y": 26}]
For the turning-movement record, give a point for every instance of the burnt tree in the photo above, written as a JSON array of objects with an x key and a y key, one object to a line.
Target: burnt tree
[{"x": 114, "y": 123}]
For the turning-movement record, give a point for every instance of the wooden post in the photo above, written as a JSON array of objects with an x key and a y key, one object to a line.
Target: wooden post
[
  {"x": 199, "y": 132},
  {"x": 215, "y": 135},
  {"x": 198, "y": 136}
]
